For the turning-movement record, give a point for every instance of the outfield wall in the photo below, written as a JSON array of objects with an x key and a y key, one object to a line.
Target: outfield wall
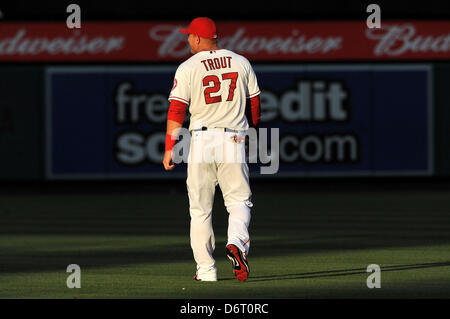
[
  {"x": 62, "y": 122},
  {"x": 21, "y": 122},
  {"x": 442, "y": 118},
  {"x": 381, "y": 108}
]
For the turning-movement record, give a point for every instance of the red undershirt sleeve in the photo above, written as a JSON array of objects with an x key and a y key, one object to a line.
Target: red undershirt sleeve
[
  {"x": 255, "y": 106},
  {"x": 177, "y": 113}
]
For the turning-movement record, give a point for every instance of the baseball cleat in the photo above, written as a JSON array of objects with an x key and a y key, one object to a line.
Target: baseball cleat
[
  {"x": 210, "y": 275},
  {"x": 240, "y": 265},
  {"x": 197, "y": 278}
]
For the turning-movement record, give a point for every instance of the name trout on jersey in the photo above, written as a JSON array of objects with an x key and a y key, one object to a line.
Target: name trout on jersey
[{"x": 217, "y": 63}]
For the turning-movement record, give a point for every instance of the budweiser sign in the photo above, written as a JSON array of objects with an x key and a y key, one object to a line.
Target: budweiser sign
[
  {"x": 400, "y": 39},
  {"x": 173, "y": 43},
  {"x": 25, "y": 45},
  {"x": 258, "y": 41}
]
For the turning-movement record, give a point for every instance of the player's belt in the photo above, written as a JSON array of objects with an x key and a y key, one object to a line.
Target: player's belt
[{"x": 204, "y": 128}]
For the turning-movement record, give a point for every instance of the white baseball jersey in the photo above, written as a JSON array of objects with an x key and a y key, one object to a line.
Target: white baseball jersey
[{"x": 216, "y": 85}]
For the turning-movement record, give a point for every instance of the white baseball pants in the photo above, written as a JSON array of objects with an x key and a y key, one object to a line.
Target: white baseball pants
[{"x": 217, "y": 158}]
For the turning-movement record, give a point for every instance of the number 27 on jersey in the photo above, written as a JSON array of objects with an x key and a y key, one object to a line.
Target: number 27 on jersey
[{"x": 213, "y": 84}]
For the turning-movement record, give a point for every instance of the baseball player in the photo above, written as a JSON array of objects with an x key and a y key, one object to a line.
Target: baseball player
[{"x": 219, "y": 86}]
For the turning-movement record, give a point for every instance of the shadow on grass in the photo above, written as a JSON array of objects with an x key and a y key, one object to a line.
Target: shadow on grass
[
  {"x": 14, "y": 260},
  {"x": 317, "y": 223},
  {"x": 342, "y": 272}
]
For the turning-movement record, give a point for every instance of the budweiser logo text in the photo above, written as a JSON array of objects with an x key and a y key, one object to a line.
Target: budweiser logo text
[
  {"x": 174, "y": 43},
  {"x": 22, "y": 44},
  {"x": 396, "y": 40}
]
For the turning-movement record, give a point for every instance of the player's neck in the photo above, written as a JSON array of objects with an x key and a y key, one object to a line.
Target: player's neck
[{"x": 209, "y": 48}]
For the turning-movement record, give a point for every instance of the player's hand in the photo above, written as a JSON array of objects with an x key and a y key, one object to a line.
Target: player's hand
[{"x": 167, "y": 161}]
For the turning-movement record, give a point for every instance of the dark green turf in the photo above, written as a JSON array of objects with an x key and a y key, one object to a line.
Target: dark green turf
[{"x": 305, "y": 244}]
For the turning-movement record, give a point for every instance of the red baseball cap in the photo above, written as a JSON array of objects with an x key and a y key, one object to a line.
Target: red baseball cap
[{"x": 203, "y": 27}]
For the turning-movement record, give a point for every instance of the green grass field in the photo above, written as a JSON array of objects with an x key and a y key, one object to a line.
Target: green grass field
[{"x": 305, "y": 244}]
